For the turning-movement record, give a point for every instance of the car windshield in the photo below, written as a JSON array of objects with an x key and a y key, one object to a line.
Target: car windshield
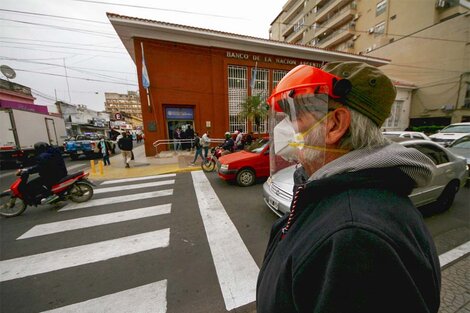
[
  {"x": 461, "y": 143},
  {"x": 456, "y": 129},
  {"x": 258, "y": 145}
]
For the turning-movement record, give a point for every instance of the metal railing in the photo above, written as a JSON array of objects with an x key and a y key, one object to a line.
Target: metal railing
[{"x": 156, "y": 144}]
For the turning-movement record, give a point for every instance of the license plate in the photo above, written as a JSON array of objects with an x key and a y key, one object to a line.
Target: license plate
[{"x": 273, "y": 203}]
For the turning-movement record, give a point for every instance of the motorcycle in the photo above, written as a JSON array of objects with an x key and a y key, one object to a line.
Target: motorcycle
[
  {"x": 210, "y": 163},
  {"x": 75, "y": 187}
]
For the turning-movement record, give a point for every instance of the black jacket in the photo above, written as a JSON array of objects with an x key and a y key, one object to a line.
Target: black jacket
[
  {"x": 125, "y": 143},
  {"x": 50, "y": 166},
  {"x": 357, "y": 244}
]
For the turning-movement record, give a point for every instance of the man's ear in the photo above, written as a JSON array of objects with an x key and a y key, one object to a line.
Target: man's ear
[{"x": 337, "y": 125}]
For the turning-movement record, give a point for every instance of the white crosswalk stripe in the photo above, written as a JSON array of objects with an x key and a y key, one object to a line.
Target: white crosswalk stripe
[
  {"x": 90, "y": 221},
  {"x": 133, "y": 179},
  {"x": 117, "y": 199},
  {"x": 80, "y": 255},
  {"x": 134, "y": 186},
  {"x": 147, "y": 298}
]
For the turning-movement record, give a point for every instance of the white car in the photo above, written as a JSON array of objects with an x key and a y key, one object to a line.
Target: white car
[
  {"x": 406, "y": 134},
  {"x": 451, "y": 175},
  {"x": 450, "y": 133}
]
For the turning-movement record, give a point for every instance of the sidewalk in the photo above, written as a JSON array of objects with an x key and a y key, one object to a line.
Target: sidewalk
[
  {"x": 167, "y": 162},
  {"x": 455, "y": 291}
]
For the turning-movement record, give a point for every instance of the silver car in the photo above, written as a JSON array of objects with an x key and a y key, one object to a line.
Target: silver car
[{"x": 451, "y": 175}]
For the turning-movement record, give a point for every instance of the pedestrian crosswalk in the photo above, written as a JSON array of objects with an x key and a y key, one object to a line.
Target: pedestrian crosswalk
[{"x": 117, "y": 203}]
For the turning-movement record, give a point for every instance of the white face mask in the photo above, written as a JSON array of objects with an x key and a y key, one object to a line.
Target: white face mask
[{"x": 287, "y": 142}]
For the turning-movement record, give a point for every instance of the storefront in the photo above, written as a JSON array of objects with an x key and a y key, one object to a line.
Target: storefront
[{"x": 200, "y": 77}]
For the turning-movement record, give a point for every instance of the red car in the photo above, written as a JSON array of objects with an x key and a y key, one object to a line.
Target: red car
[{"x": 246, "y": 166}]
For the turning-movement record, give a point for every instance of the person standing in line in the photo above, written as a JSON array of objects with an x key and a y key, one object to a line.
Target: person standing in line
[
  {"x": 177, "y": 138},
  {"x": 198, "y": 148},
  {"x": 125, "y": 145},
  {"x": 205, "y": 143},
  {"x": 105, "y": 149},
  {"x": 189, "y": 134},
  {"x": 238, "y": 140},
  {"x": 352, "y": 241}
]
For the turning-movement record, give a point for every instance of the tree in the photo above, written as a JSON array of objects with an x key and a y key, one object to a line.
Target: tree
[{"x": 254, "y": 109}]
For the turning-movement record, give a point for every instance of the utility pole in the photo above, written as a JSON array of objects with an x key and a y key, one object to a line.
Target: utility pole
[{"x": 67, "y": 80}]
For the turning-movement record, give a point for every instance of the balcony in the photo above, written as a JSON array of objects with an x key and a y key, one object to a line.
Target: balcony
[
  {"x": 335, "y": 19},
  {"x": 293, "y": 28},
  {"x": 293, "y": 12},
  {"x": 335, "y": 38},
  {"x": 330, "y": 8}
]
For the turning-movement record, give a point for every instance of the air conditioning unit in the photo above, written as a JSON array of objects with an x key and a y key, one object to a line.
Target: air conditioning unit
[
  {"x": 356, "y": 16},
  {"x": 355, "y": 37},
  {"x": 369, "y": 49},
  {"x": 371, "y": 30}
]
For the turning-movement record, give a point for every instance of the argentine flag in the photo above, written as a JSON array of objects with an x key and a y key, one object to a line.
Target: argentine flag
[{"x": 145, "y": 74}]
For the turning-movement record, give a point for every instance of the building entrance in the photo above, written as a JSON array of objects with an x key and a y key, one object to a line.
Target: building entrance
[{"x": 182, "y": 117}]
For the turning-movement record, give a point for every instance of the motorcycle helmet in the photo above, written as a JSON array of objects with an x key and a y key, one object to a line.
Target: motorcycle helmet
[
  {"x": 40, "y": 147},
  {"x": 227, "y": 135}
]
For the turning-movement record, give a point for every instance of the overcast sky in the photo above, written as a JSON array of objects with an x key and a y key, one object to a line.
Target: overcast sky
[{"x": 78, "y": 34}]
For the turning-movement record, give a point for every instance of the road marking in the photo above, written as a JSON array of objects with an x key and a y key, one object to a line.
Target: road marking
[
  {"x": 75, "y": 166},
  {"x": 7, "y": 174},
  {"x": 454, "y": 254},
  {"x": 236, "y": 270},
  {"x": 134, "y": 186},
  {"x": 147, "y": 298},
  {"x": 126, "y": 180},
  {"x": 85, "y": 254},
  {"x": 118, "y": 199},
  {"x": 90, "y": 221}
]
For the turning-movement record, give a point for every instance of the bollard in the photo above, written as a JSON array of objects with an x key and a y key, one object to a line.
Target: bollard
[
  {"x": 92, "y": 165},
  {"x": 100, "y": 164}
]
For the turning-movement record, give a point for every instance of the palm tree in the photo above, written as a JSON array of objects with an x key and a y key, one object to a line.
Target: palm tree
[{"x": 254, "y": 109}]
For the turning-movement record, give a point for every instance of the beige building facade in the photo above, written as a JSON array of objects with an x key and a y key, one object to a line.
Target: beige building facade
[
  {"x": 128, "y": 104},
  {"x": 427, "y": 42}
]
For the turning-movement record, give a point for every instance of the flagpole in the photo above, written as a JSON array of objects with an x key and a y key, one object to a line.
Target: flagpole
[{"x": 145, "y": 78}]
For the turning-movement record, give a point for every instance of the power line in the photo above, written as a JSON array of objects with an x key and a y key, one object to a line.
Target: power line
[
  {"x": 61, "y": 47},
  {"x": 159, "y": 9},
  {"x": 74, "y": 77},
  {"x": 56, "y": 16}
]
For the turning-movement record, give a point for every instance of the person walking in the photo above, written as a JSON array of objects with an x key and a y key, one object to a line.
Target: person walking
[
  {"x": 239, "y": 140},
  {"x": 125, "y": 145},
  {"x": 189, "y": 134},
  {"x": 353, "y": 241},
  {"x": 198, "y": 148},
  {"x": 205, "y": 143},
  {"x": 105, "y": 149}
]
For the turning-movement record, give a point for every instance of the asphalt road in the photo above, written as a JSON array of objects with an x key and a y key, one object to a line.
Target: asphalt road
[{"x": 185, "y": 243}]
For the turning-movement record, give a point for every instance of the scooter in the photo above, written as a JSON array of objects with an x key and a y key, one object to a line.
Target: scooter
[{"x": 75, "y": 187}]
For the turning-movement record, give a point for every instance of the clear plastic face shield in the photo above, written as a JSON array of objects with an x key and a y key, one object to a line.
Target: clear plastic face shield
[{"x": 297, "y": 126}]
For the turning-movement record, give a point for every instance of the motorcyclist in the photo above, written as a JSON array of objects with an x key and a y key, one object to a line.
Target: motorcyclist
[
  {"x": 51, "y": 169},
  {"x": 228, "y": 145}
]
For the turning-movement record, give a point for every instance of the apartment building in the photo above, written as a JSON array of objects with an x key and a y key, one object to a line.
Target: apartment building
[
  {"x": 357, "y": 26},
  {"x": 123, "y": 103},
  {"x": 426, "y": 41}
]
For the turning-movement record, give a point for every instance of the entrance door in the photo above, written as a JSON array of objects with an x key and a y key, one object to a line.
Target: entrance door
[{"x": 173, "y": 125}]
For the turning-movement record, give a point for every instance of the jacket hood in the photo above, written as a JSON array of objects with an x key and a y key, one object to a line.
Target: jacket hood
[{"x": 414, "y": 164}]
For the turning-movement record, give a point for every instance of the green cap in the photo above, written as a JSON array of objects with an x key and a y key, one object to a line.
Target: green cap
[{"x": 372, "y": 92}]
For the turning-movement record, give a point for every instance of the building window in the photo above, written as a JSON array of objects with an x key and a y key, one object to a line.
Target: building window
[
  {"x": 277, "y": 76},
  {"x": 261, "y": 89},
  {"x": 379, "y": 29},
  {"x": 237, "y": 93},
  {"x": 395, "y": 115},
  {"x": 381, "y": 7}
]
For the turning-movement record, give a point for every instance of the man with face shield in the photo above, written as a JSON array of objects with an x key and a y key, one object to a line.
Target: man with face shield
[{"x": 353, "y": 241}]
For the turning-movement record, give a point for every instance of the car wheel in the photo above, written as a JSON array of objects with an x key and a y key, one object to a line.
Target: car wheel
[
  {"x": 246, "y": 177},
  {"x": 445, "y": 200},
  {"x": 74, "y": 157}
]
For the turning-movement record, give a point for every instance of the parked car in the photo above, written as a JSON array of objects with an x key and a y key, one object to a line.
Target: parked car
[
  {"x": 406, "y": 134},
  {"x": 86, "y": 145},
  {"x": 450, "y": 133},
  {"x": 450, "y": 177},
  {"x": 462, "y": 147},
  {"x": 246, "y": 166}
]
